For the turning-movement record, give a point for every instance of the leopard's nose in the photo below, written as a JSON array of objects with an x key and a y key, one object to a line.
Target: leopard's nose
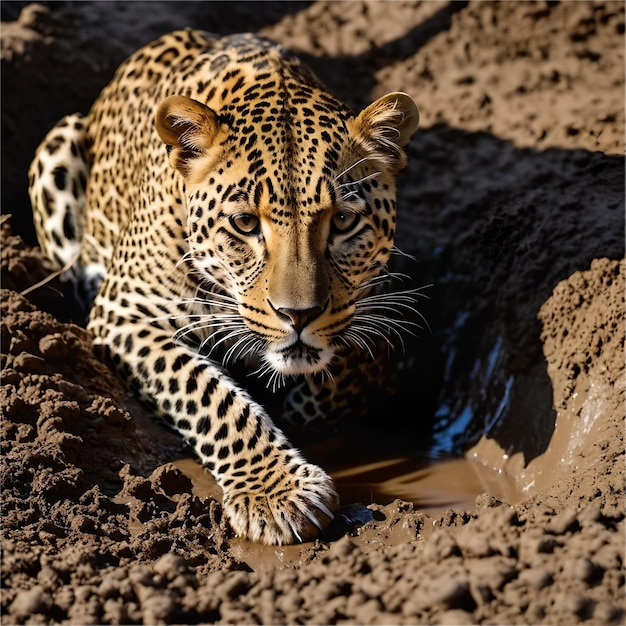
[{"x": 299, "y": 318}]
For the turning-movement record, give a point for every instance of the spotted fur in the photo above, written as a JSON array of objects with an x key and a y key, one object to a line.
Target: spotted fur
[{"x": 236, "y": 220}]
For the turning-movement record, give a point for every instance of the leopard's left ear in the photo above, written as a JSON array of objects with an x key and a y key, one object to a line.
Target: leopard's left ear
[
  {"x": 190, "y": 130},
  {"x": 385, "y": 127}
]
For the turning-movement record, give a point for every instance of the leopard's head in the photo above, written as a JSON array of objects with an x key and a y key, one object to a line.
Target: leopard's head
[{"x": 291, "y": 218}]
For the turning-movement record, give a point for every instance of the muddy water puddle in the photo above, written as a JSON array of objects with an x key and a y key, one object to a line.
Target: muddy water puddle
[
  {"x": 433, "y": 485},
  {"x": 362, "y": 476}
]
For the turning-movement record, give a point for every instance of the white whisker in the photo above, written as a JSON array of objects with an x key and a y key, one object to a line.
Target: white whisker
[
  {"x": 385, "y": 315},
  {"x": 242, "y": 346},
  {"x": 231, "y": 335},
  {"x": 355, "y": 164},
  {"x": 361, "y": 339},
  {"x": 398, "y": 252},
  {"x": 205, "y": 323},
  {"x": 275, "y": 381},
  {"x": 360, "y": 180}
]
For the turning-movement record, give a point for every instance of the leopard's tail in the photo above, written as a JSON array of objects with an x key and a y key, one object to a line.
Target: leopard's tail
[{"x": 57, "y": 187}]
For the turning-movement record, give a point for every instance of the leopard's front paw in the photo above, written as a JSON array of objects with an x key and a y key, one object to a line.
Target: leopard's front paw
[{"x": 289, "y": 508}]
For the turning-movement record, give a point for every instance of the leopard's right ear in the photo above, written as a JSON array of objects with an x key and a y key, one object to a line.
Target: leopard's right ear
[
  {"x": 385, "y": 127},
  {"x": 189, "y": 129}
]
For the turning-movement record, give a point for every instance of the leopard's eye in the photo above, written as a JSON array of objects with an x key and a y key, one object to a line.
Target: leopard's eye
[
  {"x": 344, "y": 220},
  {"x": 245, "y": 223}
]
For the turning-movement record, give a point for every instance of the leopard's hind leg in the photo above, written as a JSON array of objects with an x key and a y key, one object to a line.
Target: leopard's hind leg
[{"x": 57, "y": 187}]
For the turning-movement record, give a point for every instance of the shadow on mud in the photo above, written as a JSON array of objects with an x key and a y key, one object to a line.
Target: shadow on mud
[{"x": 494, "y": 228}]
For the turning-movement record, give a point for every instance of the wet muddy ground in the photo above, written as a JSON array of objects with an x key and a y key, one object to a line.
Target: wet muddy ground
[{"x": 491, "y": 490}]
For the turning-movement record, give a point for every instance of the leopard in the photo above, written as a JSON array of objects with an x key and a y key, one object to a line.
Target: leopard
[{"x": 228, "y": 222}]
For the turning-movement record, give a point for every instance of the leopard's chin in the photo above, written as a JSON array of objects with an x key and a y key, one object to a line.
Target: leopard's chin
[{"x": 299, "y": 358}]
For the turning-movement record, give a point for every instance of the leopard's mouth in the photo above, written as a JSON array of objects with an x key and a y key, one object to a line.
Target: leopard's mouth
[
  {"x": 300, "y": 350},
  {"x": 299, "y": 358}
]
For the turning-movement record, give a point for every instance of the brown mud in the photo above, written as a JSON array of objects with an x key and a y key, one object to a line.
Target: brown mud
[{"x": 491, "y": 490}]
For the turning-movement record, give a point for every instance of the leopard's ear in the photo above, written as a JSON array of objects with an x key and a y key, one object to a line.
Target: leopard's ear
[
  {"x": 188, "y": 128},
  {"x": 385, "y": 127}
]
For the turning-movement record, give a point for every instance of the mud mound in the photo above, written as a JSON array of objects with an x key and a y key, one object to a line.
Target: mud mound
[{"x": 513, "y": 207}]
